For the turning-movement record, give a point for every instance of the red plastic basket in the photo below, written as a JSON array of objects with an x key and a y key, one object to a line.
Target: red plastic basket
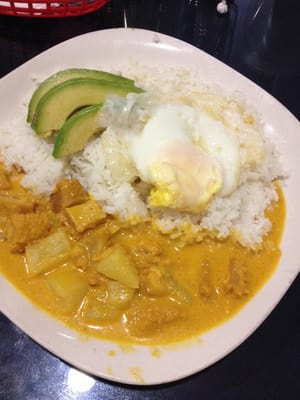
[{"x": 49, "y": 8}]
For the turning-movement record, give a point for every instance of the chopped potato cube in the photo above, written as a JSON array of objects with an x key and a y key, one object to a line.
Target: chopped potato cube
[
  {"x": 117, "y": 264},
  {"x": 47, "y": 253},
  {"x": 95, "y": 242},
  {"x": 86, "y": 215},
  {"x": 177, "y": 292},
  {"x": 97, "y": 309},
  {"x": 119, "y": 295},
  {"x": 69, "y": 285}
]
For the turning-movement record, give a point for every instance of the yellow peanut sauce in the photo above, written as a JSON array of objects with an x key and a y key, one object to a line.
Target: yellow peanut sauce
[{"x": 183, "y": 291}]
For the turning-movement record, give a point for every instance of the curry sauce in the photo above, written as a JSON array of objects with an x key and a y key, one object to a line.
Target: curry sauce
[{"x": 120, "y": 281}]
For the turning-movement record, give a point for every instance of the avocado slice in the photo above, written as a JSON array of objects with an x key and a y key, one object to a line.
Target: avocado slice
[
  {"x": 61, "y": 101},
  {"x": 67, "y": 74},
  {"x": 76, "y": 131}
]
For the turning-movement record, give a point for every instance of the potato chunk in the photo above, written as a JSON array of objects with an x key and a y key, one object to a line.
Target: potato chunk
[
  {"x": 69, "y": 286},
  {"x": 95, "y": 242},
  {"x": 97, "y": 310},
  {"x": 117, "y": 264},
  {"x": 178, "y": 293},
  {"x": 47, "y": 253},
  {"x": 86, "y": 215},
  {"x": 119, "y": 295},
  {"x": 68, "y": 193}
]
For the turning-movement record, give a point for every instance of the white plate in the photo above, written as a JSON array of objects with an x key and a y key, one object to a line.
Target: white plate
[{"x": 136, "y": 364}]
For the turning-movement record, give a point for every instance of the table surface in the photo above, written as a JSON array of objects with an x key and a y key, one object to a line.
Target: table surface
[{"x": 260, "y": 39}]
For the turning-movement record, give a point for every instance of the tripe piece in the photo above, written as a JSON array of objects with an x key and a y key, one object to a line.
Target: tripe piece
[{"x": 86, "y": 215}]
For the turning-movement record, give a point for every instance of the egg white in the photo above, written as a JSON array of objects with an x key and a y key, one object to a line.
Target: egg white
[
  {"x": 185, "y": 154},
  {"x": 217, "y": 141}
]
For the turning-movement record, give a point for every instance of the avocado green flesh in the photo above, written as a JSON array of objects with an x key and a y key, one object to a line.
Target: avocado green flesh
[
  {"x": 76, "y": 131},
  {"x": 67, "y": 74},
  {"x": 61, "y": 101}
]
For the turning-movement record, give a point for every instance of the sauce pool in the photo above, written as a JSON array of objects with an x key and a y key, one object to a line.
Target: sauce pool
[{"x": 207, "y": 283}]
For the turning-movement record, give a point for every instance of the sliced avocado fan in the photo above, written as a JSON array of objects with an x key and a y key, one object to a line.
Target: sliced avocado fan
[
  {"x": 66, "y": 75},
  {"x": 62, "y": 100},
  {"x": 76, "y": 131}
]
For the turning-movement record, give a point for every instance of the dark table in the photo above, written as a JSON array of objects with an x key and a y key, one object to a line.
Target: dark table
[{"x": 260, "y": 39}]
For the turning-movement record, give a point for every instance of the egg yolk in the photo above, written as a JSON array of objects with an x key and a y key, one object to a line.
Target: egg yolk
[{"x": 184, "y": 177}]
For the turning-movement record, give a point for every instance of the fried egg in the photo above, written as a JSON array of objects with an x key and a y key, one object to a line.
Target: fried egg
[
  {"x": 186, "y": 156},
  {"x": 182, "y": 152}
]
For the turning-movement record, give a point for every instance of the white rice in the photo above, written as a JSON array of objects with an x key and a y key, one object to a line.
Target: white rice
[
  {"x": 20, "y": 146},
  {"x": 241, "y": 214}
]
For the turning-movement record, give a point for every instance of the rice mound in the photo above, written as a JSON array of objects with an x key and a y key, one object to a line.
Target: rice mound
[{"x": 104, "y": 171}]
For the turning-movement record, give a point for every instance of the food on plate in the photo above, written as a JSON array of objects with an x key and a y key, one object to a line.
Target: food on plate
[
  {"x": 67, "y": 74},
  {"x": 76, "y": 131},
  {"x": 148, "y": 217},
  {"x": 58, "y": 103}
]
